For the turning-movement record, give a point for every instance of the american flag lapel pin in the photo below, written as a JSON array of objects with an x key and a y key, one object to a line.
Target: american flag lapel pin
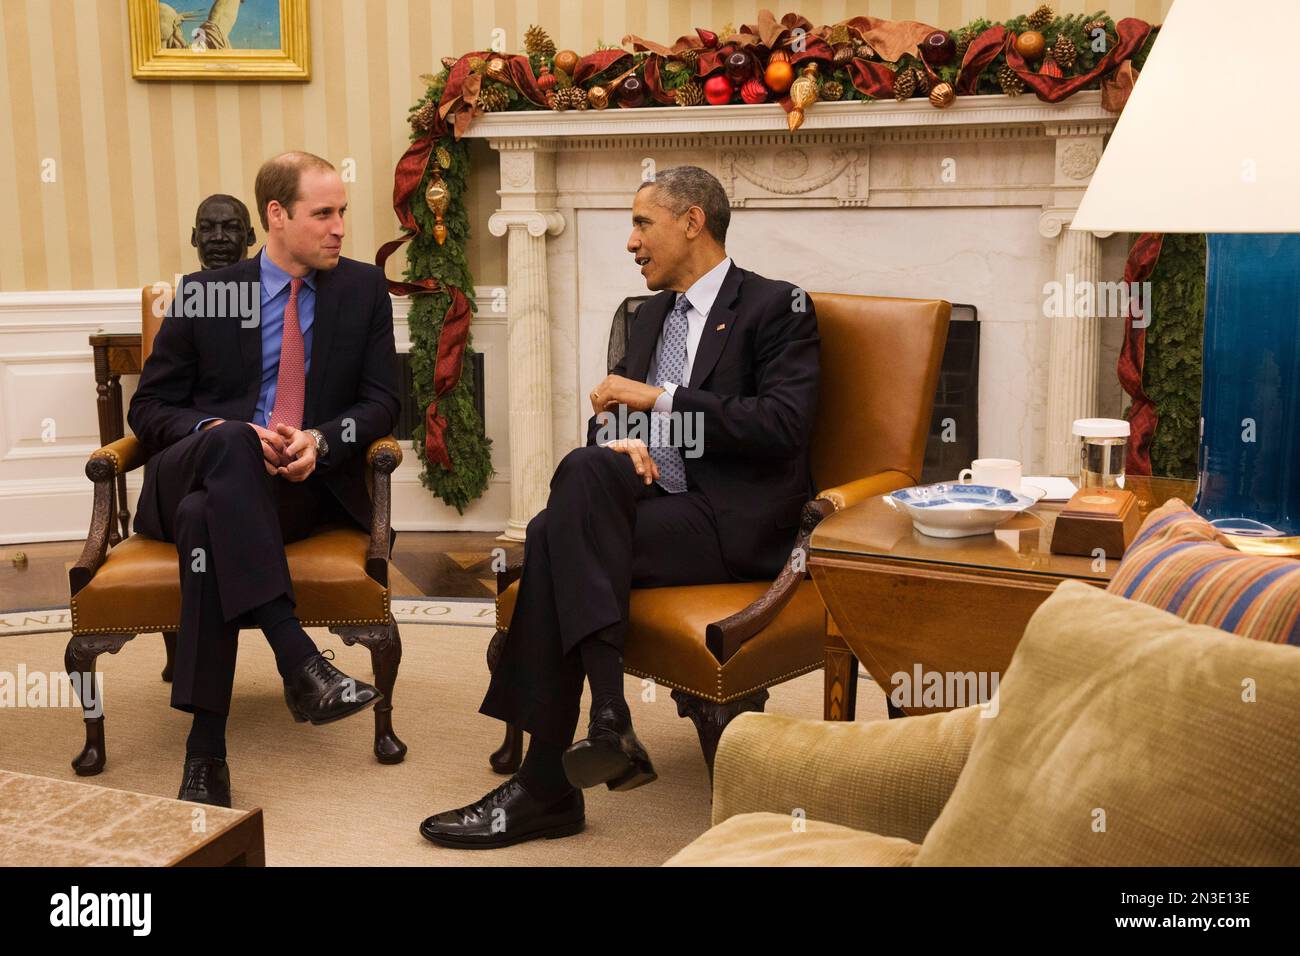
[{"x": 720, "y": 327}]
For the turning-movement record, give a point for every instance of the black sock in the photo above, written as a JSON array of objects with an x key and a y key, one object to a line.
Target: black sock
[
  {"x": 288, "y": 640},
  {"x": 603, "y": 663},
  {"x": 207, "y": 735},
  {"x": 542, "y": 772}
]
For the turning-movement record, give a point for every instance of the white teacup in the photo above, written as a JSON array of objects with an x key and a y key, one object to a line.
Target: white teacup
[{"x": 998, "y": 472}]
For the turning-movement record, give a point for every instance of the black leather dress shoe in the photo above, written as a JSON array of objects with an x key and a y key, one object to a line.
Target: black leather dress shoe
[
  {"x": 610, "y": 754},
  {"x": 507, "y": 815},
  {"x": 320, "y": 692},
  {"x": 206, "y": 780}
]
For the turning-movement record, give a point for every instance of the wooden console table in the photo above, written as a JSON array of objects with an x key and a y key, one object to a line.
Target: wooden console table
[
  {"x": 898, "y": 598},
  {"x": 116, "y": 355}
]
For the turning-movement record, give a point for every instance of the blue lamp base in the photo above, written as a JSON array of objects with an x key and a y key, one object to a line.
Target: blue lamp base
[{"x": 1250, "y": 394}]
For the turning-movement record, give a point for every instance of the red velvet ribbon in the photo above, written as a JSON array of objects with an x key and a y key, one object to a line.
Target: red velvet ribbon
[
  {"x": 1132, "y": 33},
  {"x": 598, "y": 62},
  {"x": 872, "y": 78},
  {"x": 1142, "y": 417},
  {"x": 982, "y": 51}
]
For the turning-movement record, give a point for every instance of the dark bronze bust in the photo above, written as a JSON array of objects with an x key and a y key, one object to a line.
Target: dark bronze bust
[{"x": 222, "y": 231}]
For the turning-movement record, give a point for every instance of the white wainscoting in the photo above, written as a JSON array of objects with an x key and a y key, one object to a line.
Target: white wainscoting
[{"x": 49, "y": 421}]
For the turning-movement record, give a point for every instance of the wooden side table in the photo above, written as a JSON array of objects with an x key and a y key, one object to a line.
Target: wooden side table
[
  {"x": 48, "y": 822},
  {"x": 899, "y": 599},
  {"x": 116, "y": 354}
]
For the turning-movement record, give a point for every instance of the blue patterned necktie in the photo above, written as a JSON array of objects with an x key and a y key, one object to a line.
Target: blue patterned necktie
[{"x": 670, "y": 367}]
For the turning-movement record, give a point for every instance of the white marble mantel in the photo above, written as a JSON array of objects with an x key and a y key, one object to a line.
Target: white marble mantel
[{"x": 971, "y": 204}]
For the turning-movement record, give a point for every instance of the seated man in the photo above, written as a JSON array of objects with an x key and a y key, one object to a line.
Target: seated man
[
  {"x": 733, "y": 358},
  {"x": 247, "y": 358}
]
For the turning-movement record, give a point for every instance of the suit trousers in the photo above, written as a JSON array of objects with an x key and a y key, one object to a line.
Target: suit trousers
[
  {"x": 230, "y": 521},
  {"x": 603, "y": 531}
]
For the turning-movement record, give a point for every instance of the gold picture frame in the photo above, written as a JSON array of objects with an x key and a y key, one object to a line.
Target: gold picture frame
[{"x": 185, "y": 54}]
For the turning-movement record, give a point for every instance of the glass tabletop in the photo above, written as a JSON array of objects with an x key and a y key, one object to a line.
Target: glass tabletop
[{"x": 872, "y": 529}]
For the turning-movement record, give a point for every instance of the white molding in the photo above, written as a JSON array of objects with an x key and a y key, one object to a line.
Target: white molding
[{"x": 668, "y": 121}]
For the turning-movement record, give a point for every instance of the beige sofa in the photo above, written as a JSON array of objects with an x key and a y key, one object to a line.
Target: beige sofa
[{"x": 1122, "y": 736}]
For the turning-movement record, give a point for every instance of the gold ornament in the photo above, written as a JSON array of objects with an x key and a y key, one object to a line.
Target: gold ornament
[
  {"x": 497, "y": 70},
  {"x": 443, "y": 157},
  {"x": 803, "y": 94},
  {"x": 537, "y": 40},
  {"x": 942, "y": 96},
  {"x": 566, "y": 61},
  {"x": 438, "y": 197},
  {"x": 598, "y": 97}
]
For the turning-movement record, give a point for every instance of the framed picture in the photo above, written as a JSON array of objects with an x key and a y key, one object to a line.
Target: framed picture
[{"x": 220, "y": 40}]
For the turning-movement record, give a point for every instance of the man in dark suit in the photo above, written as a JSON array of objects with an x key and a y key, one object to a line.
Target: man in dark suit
[
  {"x": 267, "y": 381},
  {"x": 695, "y": 471}
]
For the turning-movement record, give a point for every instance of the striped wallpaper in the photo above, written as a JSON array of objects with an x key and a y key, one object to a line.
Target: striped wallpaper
[{"x": 131, "y": 160}]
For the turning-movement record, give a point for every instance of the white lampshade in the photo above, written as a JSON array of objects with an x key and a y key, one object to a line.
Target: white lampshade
[{"x": 1209, "y": 140}]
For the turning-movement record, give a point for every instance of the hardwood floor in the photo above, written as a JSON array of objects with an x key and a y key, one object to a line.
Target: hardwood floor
[{"x": 440, "y": 564}]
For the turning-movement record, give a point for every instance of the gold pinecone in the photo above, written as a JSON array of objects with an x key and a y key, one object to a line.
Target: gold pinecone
[
  {"x": 691, "y": 58},
  {"x": 1065, "y": 52},
  {"x": 569, "y": 98},
  {"x": 1092, "y": 25},
  {"x": 904, "y": 84},
  {"x": 831, "y": 90},
  {"x": 963, "y": 43},
  {"x": 537, "y": 40},
  {"x": 841, "y": 54},
  {"x": 1041, "y": 17},
  {"x": 1011, "y": 84},
  {"x": 493, "y": 98},
  {"x": 922, "y": 80},
  {"x": 422, "y": 119},
  {"x": 689, "y": 94}
]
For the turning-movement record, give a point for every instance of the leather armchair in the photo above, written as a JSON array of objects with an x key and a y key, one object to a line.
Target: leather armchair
[
  {"x": 720, "y": 646},
  {"x": 340, "y": 577}
]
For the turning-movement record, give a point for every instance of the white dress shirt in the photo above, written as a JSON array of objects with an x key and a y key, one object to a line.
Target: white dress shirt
[{"x": 701, "y": 295}]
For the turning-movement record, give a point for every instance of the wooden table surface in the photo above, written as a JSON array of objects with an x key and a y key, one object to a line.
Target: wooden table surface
[{"x": 898, "y": 599}]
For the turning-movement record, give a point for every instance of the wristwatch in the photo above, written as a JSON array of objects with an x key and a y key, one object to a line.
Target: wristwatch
[{"x": 322, "y": 446}]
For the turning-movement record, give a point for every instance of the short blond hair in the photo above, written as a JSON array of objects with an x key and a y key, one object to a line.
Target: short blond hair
[{"x": 279, "y": 178}]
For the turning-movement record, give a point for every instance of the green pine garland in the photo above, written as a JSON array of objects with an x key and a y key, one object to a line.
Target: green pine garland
[
  {"x": 1171, "y": 374},
  {"x": 469, "y": 448}
]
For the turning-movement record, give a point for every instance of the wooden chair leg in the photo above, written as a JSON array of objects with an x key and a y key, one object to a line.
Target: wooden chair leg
[
  {"x": 506, "y": 758},
  {"x": 385, "y": 645},
  {"x": 79, "y": 659},
  {"x": 711, "y": 719},
  {"x": 840, "y": 693},
  {"x": 169, "y": 641}
]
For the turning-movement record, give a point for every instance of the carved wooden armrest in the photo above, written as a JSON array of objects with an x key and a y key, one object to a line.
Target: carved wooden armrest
[
  {"x": 103, "y": 467},
  {"x": 853, "y": 492},
  {"x": 382, "y": 458},
  {"x": 723, "y": 638}
]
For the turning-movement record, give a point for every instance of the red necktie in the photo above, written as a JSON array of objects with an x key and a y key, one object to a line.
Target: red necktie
[{"x": 290, "y": 385}]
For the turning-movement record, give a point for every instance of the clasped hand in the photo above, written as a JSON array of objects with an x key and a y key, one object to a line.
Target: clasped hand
[{"x": 286, "y": 451}]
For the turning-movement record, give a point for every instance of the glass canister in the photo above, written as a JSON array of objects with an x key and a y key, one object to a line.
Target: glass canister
[{"x": 1103, "y": 443}]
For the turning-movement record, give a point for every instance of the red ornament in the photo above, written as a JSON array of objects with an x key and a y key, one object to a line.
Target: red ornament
[
  {"x": 709, "y": 38},
  {"x": 753, "y": 92},
  {"x": 740, "y": 66},
  {"x": 546, "y": 82},
  {"x": 718, "y": 90},
  {"x": 631, "y": 92},
  {"x": 938, "y": 48}
]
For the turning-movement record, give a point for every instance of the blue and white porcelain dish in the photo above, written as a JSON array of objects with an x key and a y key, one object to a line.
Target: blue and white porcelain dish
[{"x": 952, "y": 510}]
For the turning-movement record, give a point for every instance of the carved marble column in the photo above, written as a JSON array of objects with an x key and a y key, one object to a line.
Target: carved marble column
[
  {"x": 527, "y": 216},
  {"x": 1074, "y": 348}
]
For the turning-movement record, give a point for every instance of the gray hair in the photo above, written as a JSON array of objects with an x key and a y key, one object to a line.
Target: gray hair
[{"x": 681, "y": 187}]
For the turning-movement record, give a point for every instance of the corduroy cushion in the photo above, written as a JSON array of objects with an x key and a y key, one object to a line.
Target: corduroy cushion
[
  {"x": 1180, "y": 563},
  {"x": 1127, "y": 737},
  {"x": 777, "y": 839}
]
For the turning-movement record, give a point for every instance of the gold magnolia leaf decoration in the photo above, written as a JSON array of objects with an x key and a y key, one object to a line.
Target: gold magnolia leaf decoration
[{"x": 443, "y": 157}]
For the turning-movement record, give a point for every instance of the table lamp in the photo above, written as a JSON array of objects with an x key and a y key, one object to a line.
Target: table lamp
[{"x": 1194, "y": 151}]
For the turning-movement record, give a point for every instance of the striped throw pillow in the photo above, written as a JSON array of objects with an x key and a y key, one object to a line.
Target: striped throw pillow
[{"x": 1178, "y": 562}]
